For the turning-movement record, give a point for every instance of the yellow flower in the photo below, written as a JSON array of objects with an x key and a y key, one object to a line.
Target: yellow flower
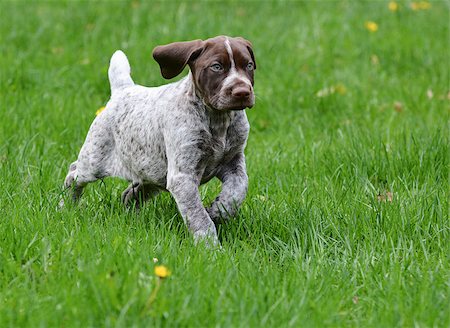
[
  {"x": 340, "y": 88},
  {"x": 374, "y": 59},
  {"x": 101, "y": 109},
  {"x": 421, "y": 5},
  {"x": 393, "y": 6},
  {"x": 371, "y": 26},
  {"x": 424, "y": 5},
  {"x": 162, "y": 271}
]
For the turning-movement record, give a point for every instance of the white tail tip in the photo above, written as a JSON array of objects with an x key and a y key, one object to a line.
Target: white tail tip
[{"x": 119, "y": 72}]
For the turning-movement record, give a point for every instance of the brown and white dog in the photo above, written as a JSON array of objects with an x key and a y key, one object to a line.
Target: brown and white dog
[{"x": 176, "y": 136}]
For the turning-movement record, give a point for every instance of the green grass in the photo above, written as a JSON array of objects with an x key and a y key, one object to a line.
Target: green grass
[{"x": 318, "y": 241}]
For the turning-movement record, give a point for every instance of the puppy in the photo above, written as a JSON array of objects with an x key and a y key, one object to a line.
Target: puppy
[{"x": 176, "y": 136}]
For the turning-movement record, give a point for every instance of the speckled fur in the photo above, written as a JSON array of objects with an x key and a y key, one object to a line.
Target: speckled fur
[{"x": 165, "y": 138}]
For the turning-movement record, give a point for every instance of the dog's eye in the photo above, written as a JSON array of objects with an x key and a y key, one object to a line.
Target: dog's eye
[
  {"x": 216, "y": 67},
  {"x": 250, "y": 66}
]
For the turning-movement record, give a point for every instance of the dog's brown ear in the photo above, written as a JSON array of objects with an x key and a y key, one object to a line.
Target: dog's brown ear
[
  {"x": 173, "y": 57},
  {"x": 249, "y": 46}
]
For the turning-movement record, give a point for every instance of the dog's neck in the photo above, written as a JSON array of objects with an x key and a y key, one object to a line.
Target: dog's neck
[{"x": 219, "y": 120}]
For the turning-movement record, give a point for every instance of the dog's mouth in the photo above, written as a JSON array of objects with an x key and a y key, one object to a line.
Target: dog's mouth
[
  {"x": 233, "y": 104},
  {"x": 239, "y": 107}
]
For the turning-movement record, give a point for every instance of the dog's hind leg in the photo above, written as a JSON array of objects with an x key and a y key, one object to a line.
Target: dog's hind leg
[
  {"x": 96, "y": 158},
  {"x": 89, "y": 167}
]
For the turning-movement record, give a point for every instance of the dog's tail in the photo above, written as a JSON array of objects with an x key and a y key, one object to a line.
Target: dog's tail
[{"x": 119, "y": 72}]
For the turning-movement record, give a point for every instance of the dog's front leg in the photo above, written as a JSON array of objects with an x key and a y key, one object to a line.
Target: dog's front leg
[
  {"x": 234, "y": 189},
  {"x": 184, "y": 188}
]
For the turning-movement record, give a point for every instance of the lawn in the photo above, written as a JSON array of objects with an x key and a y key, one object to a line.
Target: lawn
[{"x": 346, "y": 222}]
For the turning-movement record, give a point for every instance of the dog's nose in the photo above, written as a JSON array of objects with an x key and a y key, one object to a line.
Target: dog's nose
[{"x": 241, "y": 92}]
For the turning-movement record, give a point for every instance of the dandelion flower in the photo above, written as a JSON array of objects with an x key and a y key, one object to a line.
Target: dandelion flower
[
  {"x": 421, "y": 5},
  {"x": 424, "y": 5},
  {"x": 374, "y": 59},
  {"x": 371, "y": 26},
  {"x": 101, "y": 109},
  {"x": 162, "y": 271},
  {"x": 393, "y": 6},
  {"x": 340, "y": 88}
]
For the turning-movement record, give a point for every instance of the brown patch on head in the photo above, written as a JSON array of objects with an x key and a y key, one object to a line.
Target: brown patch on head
[
  {"x": 206, "y": 79},
  {"x": 224, "y": 73},
  {"x": 249, "y": 47},
  {"x": 222, "y": 69}
]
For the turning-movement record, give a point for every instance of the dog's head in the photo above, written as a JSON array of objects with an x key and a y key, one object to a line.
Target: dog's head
[{"x": 222, "y": 69}]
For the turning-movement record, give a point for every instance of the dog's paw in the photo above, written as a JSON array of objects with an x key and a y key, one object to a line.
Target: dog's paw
[
  {"x": 216, "y": 215},
  {"x": 137, "y": 193},
  {"x": 208, "y": 238},
  {"x": 130, "y": 196},
  {"x": 71, "y": 176}
]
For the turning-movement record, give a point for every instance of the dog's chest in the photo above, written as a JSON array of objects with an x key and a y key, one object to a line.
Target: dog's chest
[
  {"x": 218, "y": 130},
  {"x": 218, "y": 146}
]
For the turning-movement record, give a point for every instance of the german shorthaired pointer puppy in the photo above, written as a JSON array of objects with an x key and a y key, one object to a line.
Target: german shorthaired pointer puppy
[{"x": 176, "y": 136}]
